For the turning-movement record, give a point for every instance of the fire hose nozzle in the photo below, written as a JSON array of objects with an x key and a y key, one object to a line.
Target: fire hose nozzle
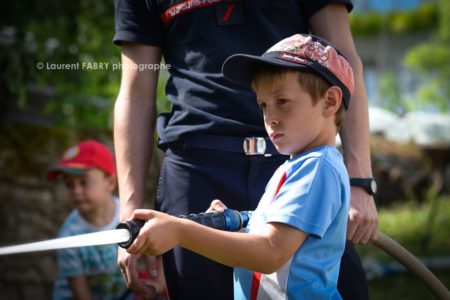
[
  {"x": 229, "y": 220},
  {"x": 133, "y": 227}
]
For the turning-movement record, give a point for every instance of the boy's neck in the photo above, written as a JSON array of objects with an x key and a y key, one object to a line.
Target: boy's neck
[
  {"x": 327, "y": 138},
  {"x": 102, "y": 215}
]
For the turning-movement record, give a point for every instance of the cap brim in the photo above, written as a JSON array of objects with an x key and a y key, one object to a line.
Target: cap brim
[
  {"x": 239, "y": 68},
  {"x": 55, "y": 172}
]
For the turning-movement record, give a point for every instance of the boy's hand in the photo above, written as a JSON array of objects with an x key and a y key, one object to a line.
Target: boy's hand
[
  {"x": 216, "y": 206},
  {"x": 158, "y": 235}
]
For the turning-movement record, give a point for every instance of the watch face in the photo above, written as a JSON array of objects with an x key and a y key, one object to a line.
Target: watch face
[
  {"x": 373, "y": 186},
  {"x": 368, "y": 184}
]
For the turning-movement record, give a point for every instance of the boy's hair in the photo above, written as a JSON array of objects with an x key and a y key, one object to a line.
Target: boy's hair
[{"x": 313, "y": 84}]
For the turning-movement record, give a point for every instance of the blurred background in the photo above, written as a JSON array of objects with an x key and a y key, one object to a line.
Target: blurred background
[{"x": 60, "y": 74}]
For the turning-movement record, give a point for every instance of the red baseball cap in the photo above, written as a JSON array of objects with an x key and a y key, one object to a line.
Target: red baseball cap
[{"x": 84, "y": 156}]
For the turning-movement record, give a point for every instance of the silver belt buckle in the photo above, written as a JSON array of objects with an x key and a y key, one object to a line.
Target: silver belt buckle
[{"x": 254, "y": 146}]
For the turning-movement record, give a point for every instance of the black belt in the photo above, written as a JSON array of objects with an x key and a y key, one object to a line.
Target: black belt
[{"x": 244, "y": 145}]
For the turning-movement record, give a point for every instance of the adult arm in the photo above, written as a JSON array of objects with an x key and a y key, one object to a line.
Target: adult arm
[
  {"x": 134, "y": 123},
  {"x": 331, "y": 23},
  {"x": 265, "y": 252}
]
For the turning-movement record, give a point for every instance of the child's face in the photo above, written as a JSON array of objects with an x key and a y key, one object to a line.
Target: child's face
[
  {"x": 293, "y": 123},
  {"x": 89, "y": 191}
]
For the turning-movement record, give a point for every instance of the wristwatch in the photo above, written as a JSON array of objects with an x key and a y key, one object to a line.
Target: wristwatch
[{"x": 369, "y": 184}]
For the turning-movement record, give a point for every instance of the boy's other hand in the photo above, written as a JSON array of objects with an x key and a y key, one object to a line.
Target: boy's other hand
[
  {"x": 216, "y": 206},
  {"x": 158, "y": 235}
]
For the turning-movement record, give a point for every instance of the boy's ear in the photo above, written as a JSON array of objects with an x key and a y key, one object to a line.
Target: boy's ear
[
  {"x": 333, "y": 100},
  {"x": 112, "y": 181}
]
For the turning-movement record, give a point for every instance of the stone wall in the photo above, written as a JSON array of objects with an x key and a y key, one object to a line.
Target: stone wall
[{"x": 32, "y": 209}]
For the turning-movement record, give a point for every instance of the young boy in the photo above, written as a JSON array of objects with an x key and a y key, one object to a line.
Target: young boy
[
  {"x": 89, "y": 175},
  {"x": 292, "y": 246}
]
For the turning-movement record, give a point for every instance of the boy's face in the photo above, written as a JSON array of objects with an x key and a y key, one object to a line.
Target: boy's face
[
  {"x": 293, "y": 123},
  {"x": 89, "y": 191}
]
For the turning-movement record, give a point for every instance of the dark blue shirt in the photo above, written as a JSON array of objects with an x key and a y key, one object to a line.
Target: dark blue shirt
[{"x": 196, "y": 36}]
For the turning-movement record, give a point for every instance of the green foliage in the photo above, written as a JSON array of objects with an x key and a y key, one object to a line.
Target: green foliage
[
  {"x": 365, "y": 24},
  {"x": 162, "y": 104},
  {"x": 431, "y": 59},
  {"x": 390, "y": 94},
  {"x": 424, "y": 18},
  {"x": 55, "y": 33},
  {"x": 405, "y": 223}
]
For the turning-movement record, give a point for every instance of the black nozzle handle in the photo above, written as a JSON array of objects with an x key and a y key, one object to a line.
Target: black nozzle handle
[
  {"x": 229, "y": 220},
  {"x": 133, "y": 226}
]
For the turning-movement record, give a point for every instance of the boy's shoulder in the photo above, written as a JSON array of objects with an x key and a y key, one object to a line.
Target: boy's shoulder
[
  {"x": 73, "y": 224},
  {"x": 325, "y": 153},
  {"x": 76, "y": 224},
  {"x": 325, "y": 160}
]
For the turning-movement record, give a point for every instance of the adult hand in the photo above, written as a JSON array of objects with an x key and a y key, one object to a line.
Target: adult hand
[
  {"x": 150, "y": 282},
  {"x": 362, "y": 225}
]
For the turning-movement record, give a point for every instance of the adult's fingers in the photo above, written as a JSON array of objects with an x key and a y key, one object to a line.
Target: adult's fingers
[
  {"x": 152, "y": 265},
  {"x": 143, "y": 214},
  {"x": 363, "y": 218},
  {"x": 129, "y": 268},
  {"x": 361, "y": 230},
  {"x": 155, "y": 269},
  {"x": 359, "y": 236}
]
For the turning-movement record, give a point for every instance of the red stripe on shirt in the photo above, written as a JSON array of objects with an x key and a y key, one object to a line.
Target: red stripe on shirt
[
  {"x": 256, "y": 280},
  {"x": 280, "y": 184},
  {"x": 255, "y": 285}
]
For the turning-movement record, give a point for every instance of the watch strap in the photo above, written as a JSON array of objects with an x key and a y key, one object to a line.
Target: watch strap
[{"x": 365, "y": 183}]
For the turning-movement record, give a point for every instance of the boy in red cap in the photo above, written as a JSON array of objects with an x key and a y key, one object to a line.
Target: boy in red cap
[
  {"x": 89, "y": 175},
  {"x": 292, "y": 246}
]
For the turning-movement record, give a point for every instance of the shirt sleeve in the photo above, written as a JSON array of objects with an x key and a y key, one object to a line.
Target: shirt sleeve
[
  {"x": 310, "y": 7},
  {"x": 137, "y": 21},
  {"x": 310, "y": 198}
]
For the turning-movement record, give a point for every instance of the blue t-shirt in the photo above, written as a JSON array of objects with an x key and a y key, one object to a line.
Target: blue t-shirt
[
  {"x": 97, "y": 263},
  {"x": 195, "y": 37},
  {"x": 310, "y": 192}
]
